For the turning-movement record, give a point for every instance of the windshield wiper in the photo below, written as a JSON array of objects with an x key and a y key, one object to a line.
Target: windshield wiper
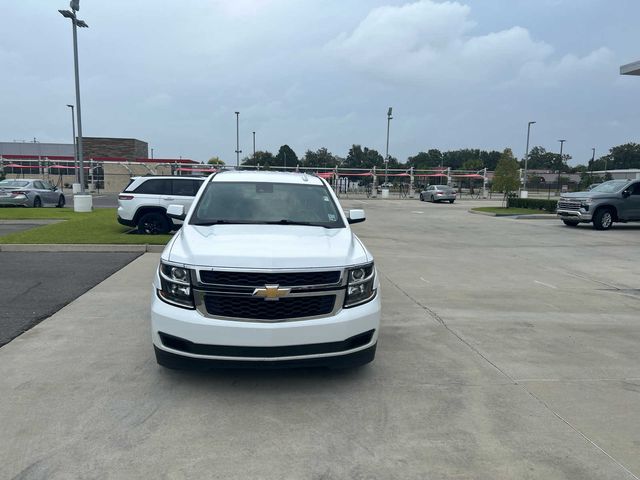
[
  {"x": 284, "y": 221},
  {"x": 208, "y": 223}
]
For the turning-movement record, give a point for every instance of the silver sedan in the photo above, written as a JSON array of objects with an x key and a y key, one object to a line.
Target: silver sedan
[
  {"x": 438, "y": 193},
  {"x": 27, "y": 192}
]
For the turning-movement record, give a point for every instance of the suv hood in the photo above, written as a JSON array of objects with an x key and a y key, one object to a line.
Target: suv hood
[
  {"x": 589, "y": 195},
  {"x": 265, "y": 246}
]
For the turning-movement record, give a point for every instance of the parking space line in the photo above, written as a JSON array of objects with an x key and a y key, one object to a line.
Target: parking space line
[{"x": 545, "y": 284}]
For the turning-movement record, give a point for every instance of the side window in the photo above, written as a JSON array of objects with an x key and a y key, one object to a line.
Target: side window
[
  {"x": 38, "y": 185},
  {"x": 159, "y": 186},
  {"x": 635, "y": 189},
  {"x": 185, "y": 188}
]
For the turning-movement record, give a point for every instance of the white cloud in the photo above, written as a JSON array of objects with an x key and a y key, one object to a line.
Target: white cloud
[{"x": 434, "y": 42}]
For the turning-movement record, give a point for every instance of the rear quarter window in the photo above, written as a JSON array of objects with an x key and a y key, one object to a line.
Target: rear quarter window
[{"x": 158, "y": 186}]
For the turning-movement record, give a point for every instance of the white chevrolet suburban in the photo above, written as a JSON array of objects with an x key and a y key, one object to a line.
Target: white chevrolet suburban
[{"x": 265, "y": 272}]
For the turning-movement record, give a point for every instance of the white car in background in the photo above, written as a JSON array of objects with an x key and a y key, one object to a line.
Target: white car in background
[
  {"x": 143, "y": 202},
  {"x": 265, "y": 271}
]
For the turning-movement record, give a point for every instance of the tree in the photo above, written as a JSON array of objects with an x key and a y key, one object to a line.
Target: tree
[
  {"x": 366, "y": 158},
  {"x": 286, "y": 157},
  {"x": 540, "y": 159},
  {"x": 473, "y": 164},
  {"x": 320, "y": 158},
  {"x": 262, "y": 158},
  {"x": 215, "y": 161},
  {"x": 506, "y": 178},
  {"x": 426, "y": 160}
]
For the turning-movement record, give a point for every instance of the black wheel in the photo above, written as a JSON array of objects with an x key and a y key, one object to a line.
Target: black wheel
[
  {"x": 451, "y": 201},
  {"x": 603, "y": 219},
  {"x": 570, "y": 223},
  {"x": 154, "y": 223},
  {"x": 37, "y": 203},
  {"x": 421, "y": 198},
  {"x": 61, "y": 202}
]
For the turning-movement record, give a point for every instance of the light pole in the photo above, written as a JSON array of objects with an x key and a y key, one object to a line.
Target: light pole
[
  {"x": 593, "y": 159},
  {"x": 386, "y": 156},
  {"x": 238, "y": 151},
  {"x": 560, "y": 163},
  {"x": 526, "y": 155},
  {"x": 254, "y": 145},
  {"x": 75, "y": 148},
  {"x": 75, "y": 22}
]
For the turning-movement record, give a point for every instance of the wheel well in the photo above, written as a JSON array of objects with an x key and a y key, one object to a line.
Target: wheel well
[
  {"x": 144, "y": 210},
  {"x": 613, "y": 210}
]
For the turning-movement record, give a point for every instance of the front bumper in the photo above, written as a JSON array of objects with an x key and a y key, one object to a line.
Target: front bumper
[
  {"x": 322, "y": 341},
  {"x": 577, "y": 215}
]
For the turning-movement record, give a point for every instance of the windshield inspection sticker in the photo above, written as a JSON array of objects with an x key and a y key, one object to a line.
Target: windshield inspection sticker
[
  {"x": 325, "y": 198},
  {"x": 332, "y": 217}
]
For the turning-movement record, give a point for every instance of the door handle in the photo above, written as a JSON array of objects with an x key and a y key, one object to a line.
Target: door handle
[{"x": 168, "y": 198}]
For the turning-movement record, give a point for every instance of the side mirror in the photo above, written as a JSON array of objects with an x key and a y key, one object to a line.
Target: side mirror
[
  {"x": 626, "y": 194},
  {"x": 356, "y": 216},
  {"x": 176, "y": 212}
]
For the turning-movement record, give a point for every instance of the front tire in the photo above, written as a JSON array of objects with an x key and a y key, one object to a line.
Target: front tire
[
  {"x": 570, "y": 223},
  {"x": 603, "y": 219},
  {"x": 451, "y": 201},
  {"x": 421, "y": 198},
  {"x": 61, "y": 202},
  {"x": 154, "y": 223}
]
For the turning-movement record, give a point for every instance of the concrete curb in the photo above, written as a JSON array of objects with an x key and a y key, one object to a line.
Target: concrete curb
[
  {"x": 62, "y": 247},
  {"x": 533, "y": 216}
]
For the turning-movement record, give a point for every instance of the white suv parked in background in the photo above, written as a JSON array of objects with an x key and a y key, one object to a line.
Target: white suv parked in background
[
  {"x": 143, "y": 203},
  {"x": 265, "y": 271}
]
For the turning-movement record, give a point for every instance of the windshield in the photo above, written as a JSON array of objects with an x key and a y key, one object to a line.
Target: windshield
[
  {"x": 13, "y": 183},
  {"x": 611, "y": 186},
  {"x": 270, "y": 203}
]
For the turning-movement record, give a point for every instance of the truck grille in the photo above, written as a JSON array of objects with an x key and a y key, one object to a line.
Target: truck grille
[
  {"x": 566, "y": 204},
  {"x": 259, "y": 279},
  {"x": 257, "y": 308}
]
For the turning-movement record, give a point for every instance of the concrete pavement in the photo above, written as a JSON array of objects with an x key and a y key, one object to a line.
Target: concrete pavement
[{"x": 508, "y": 350}]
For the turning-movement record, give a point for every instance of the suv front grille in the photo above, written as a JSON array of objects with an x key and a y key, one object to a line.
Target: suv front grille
[
  {"x": 567, "y": 204},
  {"x": 259, "y": 279},
  {"x": 259, "y": 309}
]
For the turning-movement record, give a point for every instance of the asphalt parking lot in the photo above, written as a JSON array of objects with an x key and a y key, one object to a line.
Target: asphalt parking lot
[
  {"x": 37, "y": 284},
  {"x": 508, "y": 350}
]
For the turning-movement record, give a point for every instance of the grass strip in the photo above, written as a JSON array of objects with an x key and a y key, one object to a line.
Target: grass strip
[{"x": 97, "y": 227}]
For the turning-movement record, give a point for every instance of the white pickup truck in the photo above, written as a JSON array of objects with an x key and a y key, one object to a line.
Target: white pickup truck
[{"x": 265, "y": 271}]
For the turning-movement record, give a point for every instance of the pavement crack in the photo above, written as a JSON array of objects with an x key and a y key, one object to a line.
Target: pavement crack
[
  {"x": 441, "y": 321},
  {"x": 514, "y": 381}
]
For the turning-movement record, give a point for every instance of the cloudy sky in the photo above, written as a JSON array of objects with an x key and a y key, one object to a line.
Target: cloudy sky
[{"x": 314, "y": 73}]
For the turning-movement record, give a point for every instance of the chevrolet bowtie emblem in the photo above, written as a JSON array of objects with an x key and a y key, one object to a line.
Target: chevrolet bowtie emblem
[{"x": 271, "y": 292}]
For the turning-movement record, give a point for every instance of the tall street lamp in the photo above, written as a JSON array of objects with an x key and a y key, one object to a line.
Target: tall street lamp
[
  {"x": 526, "y": 156},
  {"x": 254, "y": 145},
  {"x": 593, "y": 159},
  {"x": 238, "y": 151},
  {"x": 75, "y": 22},
  {"x": 560, "y": 163},
  {"x": 386, "y": 156},
  {"x": 75, "y": 148}
]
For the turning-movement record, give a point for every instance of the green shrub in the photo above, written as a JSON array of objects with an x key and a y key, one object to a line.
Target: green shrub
[{"x": 533, "y": 204}]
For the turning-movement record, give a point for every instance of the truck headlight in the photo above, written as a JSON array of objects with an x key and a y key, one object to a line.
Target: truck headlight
[
  {"x": 360, "y": 285},
  {"x": 175, "y": 285}
]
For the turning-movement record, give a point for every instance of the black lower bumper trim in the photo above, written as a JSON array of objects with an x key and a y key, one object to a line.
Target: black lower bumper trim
[
  {"x": 180, "y": 362},
  {"x": 182, "y": 345}
]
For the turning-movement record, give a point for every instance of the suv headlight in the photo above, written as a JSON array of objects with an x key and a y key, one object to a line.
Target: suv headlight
[
  {"x": 360, "y": 285},
  {"x": 175, "y": 285}
]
